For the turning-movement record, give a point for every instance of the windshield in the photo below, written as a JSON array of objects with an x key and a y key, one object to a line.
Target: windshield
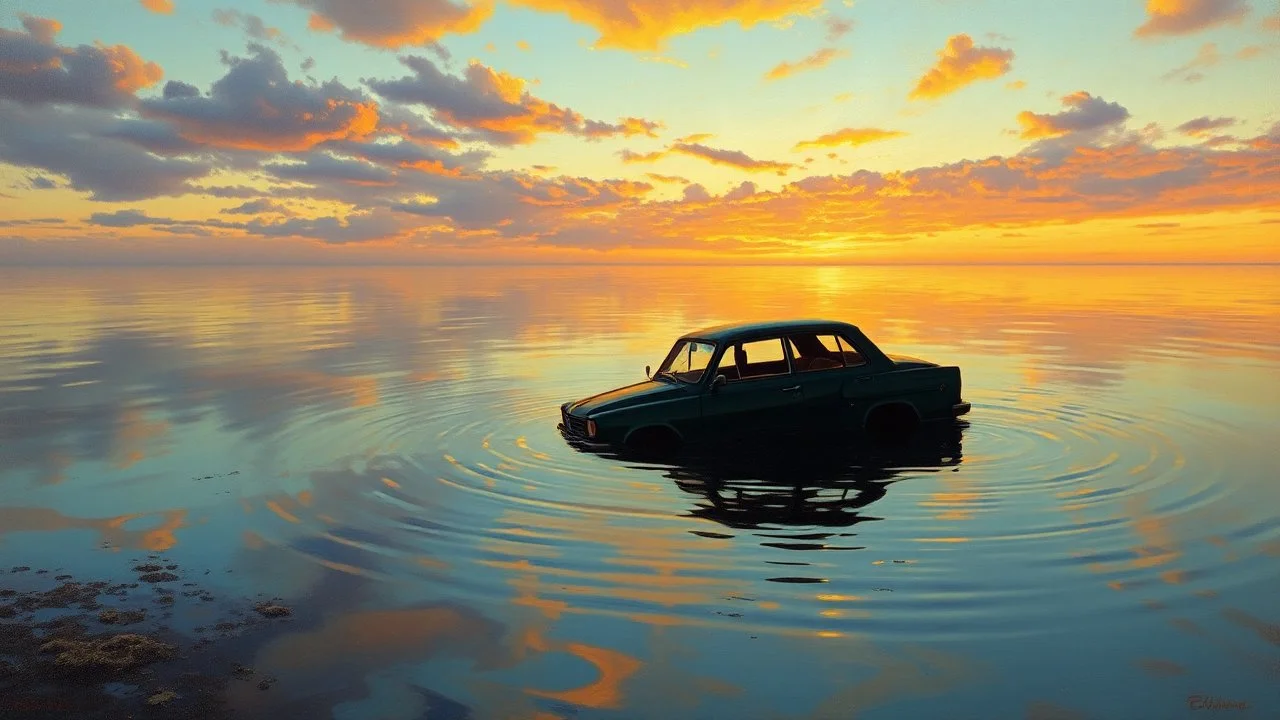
[{"x": 688, "y": 361}]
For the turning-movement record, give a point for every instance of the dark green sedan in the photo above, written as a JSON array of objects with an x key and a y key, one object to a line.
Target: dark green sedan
[{"x": 794, "y": 377}]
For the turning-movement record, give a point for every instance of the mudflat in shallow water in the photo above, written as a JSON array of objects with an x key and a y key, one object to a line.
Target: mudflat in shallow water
[{"x": 377, "y": 449}]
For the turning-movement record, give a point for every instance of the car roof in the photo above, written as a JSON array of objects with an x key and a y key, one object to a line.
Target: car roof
[{"x": 730, "y": 331}]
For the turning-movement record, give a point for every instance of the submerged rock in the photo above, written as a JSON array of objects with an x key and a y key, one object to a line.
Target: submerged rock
[
  {"x": 158, "y": 577},
  {"x": 116, "y": 617},
  {"x": 73, "y": 657},
  {"x": 272, "y": 610},
  {"x": 64, "y": 595},
  {"x": 114, "y": 653},
  {"x": 162, "y": 697}
]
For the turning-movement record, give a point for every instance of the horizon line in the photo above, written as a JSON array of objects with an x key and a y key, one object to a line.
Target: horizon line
[{"x": 297, "y": 263}]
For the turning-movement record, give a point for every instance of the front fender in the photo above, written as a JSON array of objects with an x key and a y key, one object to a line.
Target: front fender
[{"x": 678, "y": 414}]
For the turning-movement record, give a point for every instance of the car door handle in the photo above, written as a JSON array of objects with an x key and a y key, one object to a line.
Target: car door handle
[
  {"x": 793, "y": 388},
  {"x": 865, "y": 378}
]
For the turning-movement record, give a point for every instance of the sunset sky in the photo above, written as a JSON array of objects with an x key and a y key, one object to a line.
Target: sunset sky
[{"x": 640, "y": 130}]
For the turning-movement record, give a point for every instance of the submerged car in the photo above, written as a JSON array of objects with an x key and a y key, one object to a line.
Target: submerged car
[{"x": 795, "y": 377}]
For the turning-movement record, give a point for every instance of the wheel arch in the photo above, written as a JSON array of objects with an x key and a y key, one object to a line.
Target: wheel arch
[
  {"x": 665, "y": 428},
  {"x": 884, "y": 406}
]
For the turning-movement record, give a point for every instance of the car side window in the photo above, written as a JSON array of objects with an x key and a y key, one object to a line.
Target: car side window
[
  {"x": 852, "y": 358},
  {"x": 756, "y": 359},
  {"x": 812, "y": 353}
]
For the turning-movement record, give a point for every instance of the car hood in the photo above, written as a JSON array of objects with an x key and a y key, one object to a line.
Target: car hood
[
  {"x": 623, "y": 397},
  {"x": 906, "y": 361}
]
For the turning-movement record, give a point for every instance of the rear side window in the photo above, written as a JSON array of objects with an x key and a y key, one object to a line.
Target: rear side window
[
  {"x": 852, "y": 358},
  {"x": 813, "y": 353}
]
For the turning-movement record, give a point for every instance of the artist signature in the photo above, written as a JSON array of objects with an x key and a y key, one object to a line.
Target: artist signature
[{"x": 1209, "y": 702}]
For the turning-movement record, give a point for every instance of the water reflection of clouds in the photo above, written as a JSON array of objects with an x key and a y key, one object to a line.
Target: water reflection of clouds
[
  {"x": 348, "y": 646},
  {"x": 341, "y": 392},
  {"x": 155, "y": 532}
]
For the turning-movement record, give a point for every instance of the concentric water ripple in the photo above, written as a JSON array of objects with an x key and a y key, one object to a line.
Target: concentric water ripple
[{"x": 978, "y": 529}]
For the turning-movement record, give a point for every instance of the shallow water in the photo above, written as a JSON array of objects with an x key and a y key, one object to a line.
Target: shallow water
[{"x": 1099, "y": 539}]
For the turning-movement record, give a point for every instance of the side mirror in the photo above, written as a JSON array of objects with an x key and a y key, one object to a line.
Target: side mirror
[
  {"x": 646, "y": 372},
  {"x": 718, "y": 382}
]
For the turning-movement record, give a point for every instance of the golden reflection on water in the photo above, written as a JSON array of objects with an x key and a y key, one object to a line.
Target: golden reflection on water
[
  {"x": 665, "y": 577},
  {"x": 244, "y": 307}
]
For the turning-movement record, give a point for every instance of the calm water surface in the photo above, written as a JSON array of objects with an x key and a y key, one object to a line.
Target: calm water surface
[{"x": 378, "y": 447}]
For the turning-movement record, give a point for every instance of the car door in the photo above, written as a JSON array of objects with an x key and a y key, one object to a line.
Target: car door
[
  {"x": 859, "y": 388},
  {"x": 760, "y": 395},
  {"x": 822, "y": 371}
]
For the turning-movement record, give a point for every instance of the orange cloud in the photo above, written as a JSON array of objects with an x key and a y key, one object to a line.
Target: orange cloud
[
  {"x": 648, "y": 24},
  {"x": 715, "y": 156},
  {"x": 163, "y": 7},
  {"x": 572, "y": 194},
  {"x": 819, "y": 59},
  {"x": 1084, "y": 112},
  {"x": 35, "y": 70},
  {"x": 256, "y": 107},
  {"x": 850, "y": 136},
  {"x": 43, "y": 30},
  {"x": 252, "y": 25},
  {"x": 629, "y": 156},
  {"x": 1016, "y": 84},
  {"x": 629, "y": 127},
  {"x": 961, "y": 63},
  {"x": 320, "y": 23},
  {"x": 1272, "y": 22},
  {"x": 838, "y": 27},
  {"x": 1182, "y": 17},
  {"x": 1207, "y": 57},
  {"x": 130, "y": 73},
  {"x": 396, "y": 23},
  {"x": 1205, "y": 126},
  {"x": 496, "y": 104},
  {"x": 1127, "y": 178}
]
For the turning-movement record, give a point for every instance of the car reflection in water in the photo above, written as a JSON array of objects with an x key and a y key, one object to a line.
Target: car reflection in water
[{"x": 794, "y": 482}]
